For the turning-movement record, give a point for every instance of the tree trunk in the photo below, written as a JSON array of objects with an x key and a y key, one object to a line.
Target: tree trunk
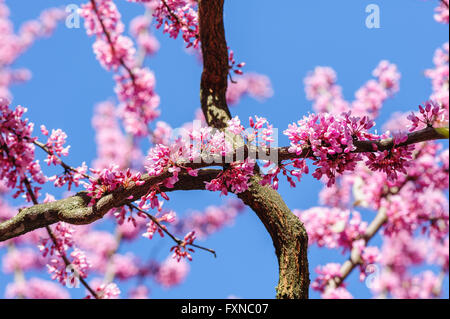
[{"x": 287, "y": 231}]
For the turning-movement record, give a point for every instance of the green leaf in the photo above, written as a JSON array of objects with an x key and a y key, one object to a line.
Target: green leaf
[{"x": 443, "y": 131}]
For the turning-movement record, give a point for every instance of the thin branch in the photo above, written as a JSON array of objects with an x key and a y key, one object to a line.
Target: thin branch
[
  {"x": 66, "y": 167},
  {"x": 366, "y": 146},
  {"x": 110, "y": 272},
  {"x": 19, "y": 276},
  {"x": 373, "y": 228},
  {"x": 177, "y": 19},
  {"x": 355, "y": 257},
  {"x": 110, "y": 42},
  {"x": 68, "y": 263},
  {"x": 178, "y": 241},
  {"x": 55, "y": 241}
]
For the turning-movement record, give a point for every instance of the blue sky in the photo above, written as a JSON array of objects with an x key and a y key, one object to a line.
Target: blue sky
[{"x": 282, "y": 39}]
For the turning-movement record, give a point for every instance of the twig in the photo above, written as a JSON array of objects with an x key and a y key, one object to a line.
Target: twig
[
  {"x": 110, "y": 42},
  {"x": 55, "y": 242},
  {"x": 178, "y": 241}
]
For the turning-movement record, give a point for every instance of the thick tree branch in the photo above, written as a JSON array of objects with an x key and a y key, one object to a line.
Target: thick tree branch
[
  {"x": 287, "y": 232},
  {"x": 288, "y": 235},
  {"x": 76, "y": 210},
  {"x": 214, "y": 81}
]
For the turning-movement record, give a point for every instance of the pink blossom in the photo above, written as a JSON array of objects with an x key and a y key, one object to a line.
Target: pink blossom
[
  {"x": 172, "y": 272},
  {"x": 338, "y": 293},
  {"x": 104, "y": 290},
  {"x": 326, "y": 274},
  {"x": 124, "y": 266},
  {"x": 112, "y": 144},
  {"x": 36, "y": 288},
  {"x": 429, "y": 114},
  {"x": 439, "y": 76},
  {"x": 140, "y": 292},
  {"x": 332, "y": 227},
  {"x": 17, "y": 161},
  {"x": 20, "y": 259},
  {"x": 123, "y": 52},
  {"x": 442, "y": 15},
  {"x": 182, "y": 250},
  {"x": 212, "y": 219},
  {"x": 182, "y": 18},
  {"x": 235, "y": 179}
]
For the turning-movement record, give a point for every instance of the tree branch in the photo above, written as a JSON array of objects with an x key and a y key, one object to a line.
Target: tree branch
[
  {"x": 214, "y": 82},
  {"x": 355, "y": 257},
  {"x": 287, "y": 231},
  {"x": 76, "y": 210}
]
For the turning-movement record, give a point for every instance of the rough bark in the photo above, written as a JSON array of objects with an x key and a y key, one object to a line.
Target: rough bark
[
  {"x": 288, "y": 236},
  {"x": 288, "y": 233},
  {"x": 214, "y": 80},
  {"x": 77, "y": 211}
]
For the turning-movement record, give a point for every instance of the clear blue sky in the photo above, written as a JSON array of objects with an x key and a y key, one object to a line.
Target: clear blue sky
[{"x": 282, "y": 39}]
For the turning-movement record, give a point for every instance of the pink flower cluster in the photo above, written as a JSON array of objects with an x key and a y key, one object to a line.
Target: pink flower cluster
[
  {"x": 134, "y": 85},
  {"x": 55, "y": 146},
  {"x": 172, "y": 272},
  {"x": 440, "y": 78},
  {"x": 109, "y": 179},
  {"x": 162, "y": 133},
  {"x": 152, "y": 227},
  {"x": 9, "y": 77},
  {"x": 14, "y": 44},
  {"x": 370, "y": 97},
  {"x": 71, "y": 176},
  {"x": 234, "y": 179},
  {"x": 321, "y": 87},
  {"x": 139, "y": 100},
  {"x": 414, "y": 203},
  {"x": 332, "y": 227},
  {"x": 395, "y": 280},
  {"x": 178, "y": 16},
  {"x": 23, "y": 260},
  {"x": 139, "y": 29},
  {"x": 233, "y": 65},
  {"x": 56, "y": 248},
  {"x": 255, "y": 85},
  {"x": 202, "y": 143},
  {"x": 17, "y": 161},
  {"x": 36, "y": 288},
  {"x": 330, "y": 140},
  {"x": 442, "y": 15},
  {"x": 182, "y": 250},
  {"x": 104, "y": 290},
  {"x": 327, "y": 273},
  {"x": 392, "y": 161},
  {"x": 112, "y": 145},
  {"x": 430, "y": 114},
  {"x": 212, "y": 219}
]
